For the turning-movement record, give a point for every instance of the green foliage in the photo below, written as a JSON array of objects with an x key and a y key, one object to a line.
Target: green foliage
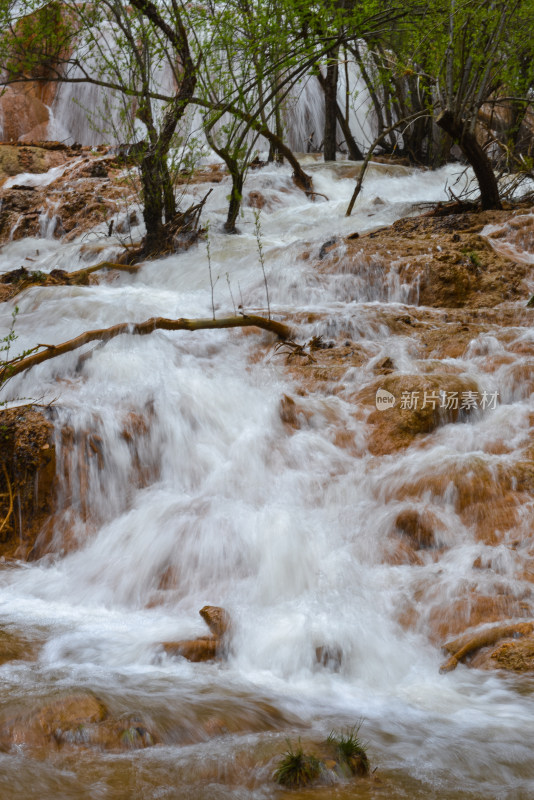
[
  {"x": 297, "y": 769},
  {"x": 6, "y": 360},
  {"x": 473, "y": 257},
  {"x": 36, "y": 38},
  {"x": 5, "y": 349},
  {"x": 259, "y": 242},
  {"x": 350, "y": 750}
]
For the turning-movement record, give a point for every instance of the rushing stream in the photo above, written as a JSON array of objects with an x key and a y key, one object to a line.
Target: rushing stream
[{"x": 286, "y": 532}]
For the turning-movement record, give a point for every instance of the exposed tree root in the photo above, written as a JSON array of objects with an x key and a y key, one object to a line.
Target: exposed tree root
[
  {"x": 467, "y": 644},
  {"x": 454, "y": 207},
  {"x": 15, "y": 366},
  {"x": 178, "y": 234}
]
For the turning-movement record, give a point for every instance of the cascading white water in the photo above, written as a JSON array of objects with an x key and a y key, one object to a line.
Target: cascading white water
[
  {"x": 90, "y": 114},
  {"x": 287, "y": 532}
]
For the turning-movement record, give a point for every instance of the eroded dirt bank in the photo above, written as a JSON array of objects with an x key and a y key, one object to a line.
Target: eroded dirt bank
[{"x": 27, "y": 480}]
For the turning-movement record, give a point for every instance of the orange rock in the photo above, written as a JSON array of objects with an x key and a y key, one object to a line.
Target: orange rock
[
  {"x": 417, "y": 408},
  {"x": 401, "y": 552},
  {"x": 288, "y": 412},
  {"x": 16, "y": 647},
  {"x": 76, "y": 720},
  {"x": 205, "y": 648},
  {"x": 418, "y": 527},
  {"x": 46, "y": 726},
  {"x": 27, "y": 480},
  {"x": 516, "y": 655},
  {"x": 255, "y": 199},
  {"x": 474, "y": 647},
  {"x": 217, "y": 619},
  {"x": 472, "y": 610},
  {"x": 464, "y": 272},
  {"x": 21, "y": 112}
]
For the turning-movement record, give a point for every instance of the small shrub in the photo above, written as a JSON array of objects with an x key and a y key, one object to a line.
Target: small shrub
[
  {"x": 350, "y": 750},
  {"x": 297, "y": 769},
  {"x": 6, "y": 361},
  {"x": 473, "y": 257}
]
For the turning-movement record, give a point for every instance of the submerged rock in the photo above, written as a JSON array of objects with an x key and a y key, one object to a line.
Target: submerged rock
[
  {"x": 14, "y": 646},
  {"x": 76, "y": 720},
  {"x": 329, "y": 656},
  {"x": 417, "y": 527},
  {"x": 202, "y": 649}
]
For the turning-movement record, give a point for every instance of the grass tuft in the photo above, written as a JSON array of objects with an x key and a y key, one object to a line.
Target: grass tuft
[
  {"x": 297, "y": 769},
  {"x": 350, "y": 750}
]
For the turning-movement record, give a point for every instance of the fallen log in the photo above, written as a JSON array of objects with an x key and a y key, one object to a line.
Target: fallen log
[
  {"x": 467, "y": 644},
  {"x": 15, "y": 367}
]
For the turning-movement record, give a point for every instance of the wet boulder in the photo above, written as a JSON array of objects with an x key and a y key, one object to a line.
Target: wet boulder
[
  {"x": 417, "y": 526},
  {"x": 15, "y": 646},
  {"x": 217, "y": 619},
  {"x": 204, "y": 648}
]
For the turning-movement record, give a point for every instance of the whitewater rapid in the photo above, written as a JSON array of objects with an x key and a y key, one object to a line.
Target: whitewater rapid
[{"x": 287, "y": 532}]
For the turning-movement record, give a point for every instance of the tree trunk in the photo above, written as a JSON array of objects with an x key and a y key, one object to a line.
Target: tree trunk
[
  {"x": 476, "y": 157},
  {"x": 158, "y": 197},
  {"x": 169, "y": 199},
  {"x": 330, "y": 108},
  {"x": 355, "y": 154},
  {"x": 300, "y": 178},
  {"x": 153, "y": 199},
  {"x": 236, "y": 196}
]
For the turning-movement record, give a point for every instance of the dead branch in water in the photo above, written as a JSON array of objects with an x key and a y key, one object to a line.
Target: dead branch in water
[
  {"x": 464, "y": 645},
  {"x": 15, "y": 367}
]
